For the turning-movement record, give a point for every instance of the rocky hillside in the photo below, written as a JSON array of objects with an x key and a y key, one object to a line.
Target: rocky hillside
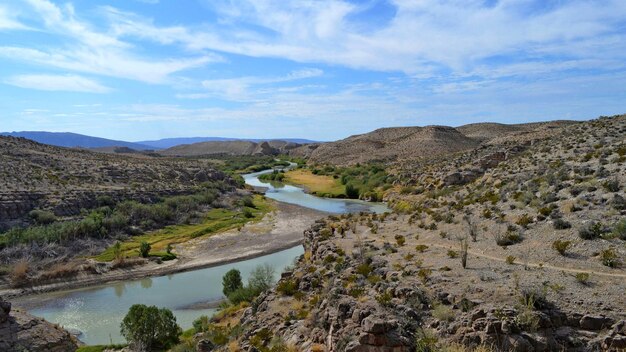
[
  {"x": 20, "y": 331},
  {"x": 517, "y": 246},
  {"x": 64, "y": 180},
  {"x": 230, "y": 148},
  {"x": 413, "y": 143}
]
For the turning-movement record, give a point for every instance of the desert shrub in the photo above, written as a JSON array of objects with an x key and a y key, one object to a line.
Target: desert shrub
[
  {"x": 508, "y": 238},
  {"x": 247, "y": 202},
  {"x": 231, "y": 282},
  {"x": 248, "y": 214},
  {"x": 610, "y": 258},
  {"x": 19, "y": 273},
  {"x": 148, "y": 328},
  {"x": 453, "y": 254},
  {"x": 534, "y": 298},
  {"x": 287, "y": 287},
  {"x": 561, "y": 246},
  {"x": 510, "y": 260},
  {"x": 144, "y": 249},
  {"x": 611, "y": 185},
  {"x": 42, "y": 217},
  {"x": 620, "y": 229},
  {"x": 421, "y": 248},
  {"x": 426, "y": 341},
  {"x": 400, "y": 240},
  {"x": 524, "y": 220},
  {"x": 618, "y": 202},
  {"x": 582, "y": 278},
  {"x": 591, "y": 230},
  {"x": 443, "y": 313},
  {"x": 560, "y": 224},
  {"x": 364, "y": 269},
  {"x": 384, "y": 299}
]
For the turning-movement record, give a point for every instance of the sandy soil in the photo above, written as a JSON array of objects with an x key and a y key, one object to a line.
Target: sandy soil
[{"x": 278, "y": 230}]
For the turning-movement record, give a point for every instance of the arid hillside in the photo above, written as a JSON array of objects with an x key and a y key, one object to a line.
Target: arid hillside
[
  {"x": 413, "y": 143},
  {"x": 65, "y": 180},
  {"x": 519, "y": 246},
  {"x": 230, "y": 148}
]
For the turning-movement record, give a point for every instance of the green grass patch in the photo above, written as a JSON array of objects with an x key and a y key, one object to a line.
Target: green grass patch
[
  {"x": 320, "y": 185},
  {"x": 216, "y": 220},
  {"x": 99, "y": 348}
]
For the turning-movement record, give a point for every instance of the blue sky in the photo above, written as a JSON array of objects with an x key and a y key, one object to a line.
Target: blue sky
[{"x": 149, "y": 69}]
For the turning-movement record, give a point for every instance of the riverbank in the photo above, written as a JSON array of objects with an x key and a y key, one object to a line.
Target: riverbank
[{"x": 278, "y": 230}]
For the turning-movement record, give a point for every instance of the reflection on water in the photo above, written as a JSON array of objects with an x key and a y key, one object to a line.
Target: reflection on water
[{"x": 97, "y": 312}]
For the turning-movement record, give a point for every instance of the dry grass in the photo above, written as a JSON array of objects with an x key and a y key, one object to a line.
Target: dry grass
[
  {"x": 316, "y": 184},
  {"x": 60, "y": 270},
  {"x": 19, "y": 273}
]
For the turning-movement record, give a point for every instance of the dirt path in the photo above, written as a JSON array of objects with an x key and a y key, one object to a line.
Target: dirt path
[
  {"x": 278, "y": 230},
  {"x": 532, "y": 265}
]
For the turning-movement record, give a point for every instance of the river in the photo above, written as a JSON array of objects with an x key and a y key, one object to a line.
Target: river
[{"x": 96, "y": 312}]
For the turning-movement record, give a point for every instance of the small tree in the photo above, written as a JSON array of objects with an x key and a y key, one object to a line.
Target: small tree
[
  {"x": 261, "y": 278},
  {"x": 352, "y": 192},
  {"x": 231, "y": 282},
  {"x": 144, "y": 249},
  {"x": 150, "y": 328}
]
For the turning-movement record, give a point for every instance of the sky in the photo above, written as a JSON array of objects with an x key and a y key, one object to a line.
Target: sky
[{"x": 317, "y": 69}]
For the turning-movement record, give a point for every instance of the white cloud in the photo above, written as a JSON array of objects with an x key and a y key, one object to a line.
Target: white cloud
[
  {"x": 8, "y": 22},
  {"x": 97, "y": 52},
  {"x": 422, "y": 37},
  {"x": 68, "y": 83}
]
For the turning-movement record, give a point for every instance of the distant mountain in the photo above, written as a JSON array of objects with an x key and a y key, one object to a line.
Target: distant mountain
[
  {"x": 172, "y": 142},
  {"x": 236, "y": 147},
  {"x": 67, "y": 139}
]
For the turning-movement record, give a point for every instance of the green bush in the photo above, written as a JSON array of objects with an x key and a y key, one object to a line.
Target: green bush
[
  {"x": 42, "y": 217},
  {"x": 231, "y": 282},
  {"x": 620, "y": 229},
  {"x": 560, "y": 224},
  {"x": 561, "y": 246},
  {"x": 287, "y": 287},
  {"x": 150, "y": 328},
  {"x": 610, "y": 258},
  {"x": 144, "y": 249},
  {"x": 591, "y": 231},
  {"x": 611, "y": 185}
]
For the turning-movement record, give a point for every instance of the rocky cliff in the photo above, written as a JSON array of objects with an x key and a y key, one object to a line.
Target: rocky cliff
[{"x": 20, "y": 331}]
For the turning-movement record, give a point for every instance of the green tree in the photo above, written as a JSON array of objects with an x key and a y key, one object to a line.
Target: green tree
[
  {"x": 231, "y": 282},
  {"x": 351, "y": 191},
  {"x": 148, "y": 328},
  {"x": 144, "y": 249},
  {"x": 261, "y": 278}
]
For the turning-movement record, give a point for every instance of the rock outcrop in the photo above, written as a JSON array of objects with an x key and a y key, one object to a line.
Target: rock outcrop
[{"x": 20, "y": 331}]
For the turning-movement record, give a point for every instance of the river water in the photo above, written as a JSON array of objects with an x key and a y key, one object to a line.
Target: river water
[{"x": 96, "y": 312}]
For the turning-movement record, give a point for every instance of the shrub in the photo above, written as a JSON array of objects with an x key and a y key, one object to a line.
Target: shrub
[
  {"x": 231, "y": 282},
  {"x": 287, "y": 287},
  {"x": 561, "y": 246},
  {"x": 384, "y": 299},
  {"x": 510, "y": 260},
  {"x": 611, "y": 185},
  {"x": 443, "y": 313},
  {"x": 560, "y": 224},
  {"x": 609, "y": 258},
  {"x": 591, "y": 230},
  {"x": 242, "y": 294},
  {"x": 352, "y": 192},
  {"x": 42, "y": 217},
  {"x": 524, "y": 220},
  {"x": 144, "y": 249},
  {"x": 508, "y": 239},
  {"x": 19, "y": 273},
  {"x": 261, "y": 278},
  {"x": 400, "y": 240},
  {"x": 150, "y": 328},
  {"x": 620, "y": 229},
  {"x": 453, "y": 254},
  {"x": 117, "y": 251},
  {"x": 364, "y": 269},
  {"x": 582, "y": 278},
  {"x": 421, "y": 248}
]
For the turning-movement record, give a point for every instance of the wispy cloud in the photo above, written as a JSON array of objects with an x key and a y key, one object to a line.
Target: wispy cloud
[
  {"x": 8, "y": 21},
  {"x": 93, "y": 51},
  {"x": 68, "y": 83}
]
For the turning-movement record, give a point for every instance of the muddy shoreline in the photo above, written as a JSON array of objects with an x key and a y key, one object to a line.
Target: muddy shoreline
[{"x": 277, "y": 231}]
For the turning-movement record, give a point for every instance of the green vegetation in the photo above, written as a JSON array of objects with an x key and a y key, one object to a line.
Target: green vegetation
[
  {"x": 231, "y": 282},
  {"x": 216, "y": 220},
  {"x": 276, "y": 175},
  {"x": 148, "y": 328},
  {"x": 561, "y": 246},
  {"x": 360, "y": 181},
  {"x": 127, "y": 218},
  {"x": 100, "y": 348}
]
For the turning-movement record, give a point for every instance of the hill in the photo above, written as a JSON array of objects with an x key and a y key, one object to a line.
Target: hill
[
  {"x": 237, "y": 147},
  {"x": 66, "y": 180},
  {"x": 391, "y": 144},
  {"x": 172, "y": 142},
  {"x": 398, "y": 144},
  {"x": 67, "y": 139}
]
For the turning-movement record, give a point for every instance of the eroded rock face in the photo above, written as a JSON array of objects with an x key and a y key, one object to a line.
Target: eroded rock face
[{"x": 20, "y": 331}]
